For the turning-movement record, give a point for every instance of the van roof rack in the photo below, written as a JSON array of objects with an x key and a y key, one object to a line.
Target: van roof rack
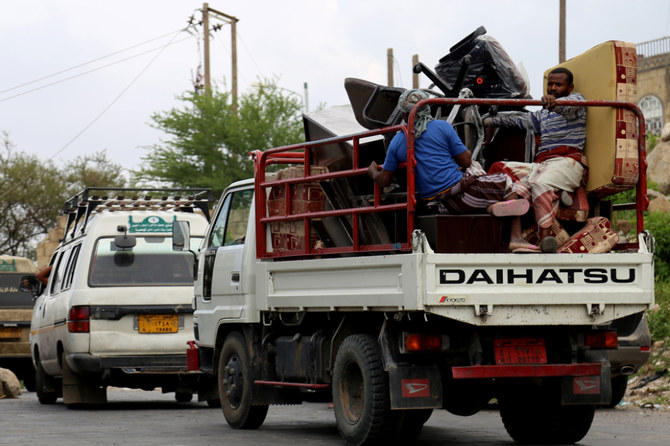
[{"x": 104, "y": 199}]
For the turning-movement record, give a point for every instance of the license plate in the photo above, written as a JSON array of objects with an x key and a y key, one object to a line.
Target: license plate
[
  {"x": 10, "y": 332},
  {"x": 158, "y": 323},
  {"x": 520, "y": 351}
]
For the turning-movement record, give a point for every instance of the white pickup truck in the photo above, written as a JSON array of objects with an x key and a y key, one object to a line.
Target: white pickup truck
[{"x": 315, "y": 285}]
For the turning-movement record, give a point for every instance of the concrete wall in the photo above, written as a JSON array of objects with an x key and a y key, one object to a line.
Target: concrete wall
[{"x": 48, "y": 245}]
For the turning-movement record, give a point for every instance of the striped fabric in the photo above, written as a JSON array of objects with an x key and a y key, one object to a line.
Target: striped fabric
[{"x": 562, "y": 126}]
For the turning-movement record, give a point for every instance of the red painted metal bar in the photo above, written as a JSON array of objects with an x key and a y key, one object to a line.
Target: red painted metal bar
[
  {"x": 525, "y": 370},
  {"x": 286, "y": 384},
  {"x": 641, "y": 190},
  {"x": 300, "y": 154}
]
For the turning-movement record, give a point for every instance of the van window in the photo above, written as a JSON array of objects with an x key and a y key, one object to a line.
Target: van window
[
  {"x": 57, "y": 278},
  {"x": 69, "y": 270},
  {"x": 230, "y": 227},
  {"x": 151, "y": 262}
]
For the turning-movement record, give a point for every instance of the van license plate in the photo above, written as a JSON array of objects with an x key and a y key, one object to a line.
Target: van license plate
[
  {"x": 520, "y": 351},
  {"x": 158, "y": 323},
  {"x": 10, "y": 332}
]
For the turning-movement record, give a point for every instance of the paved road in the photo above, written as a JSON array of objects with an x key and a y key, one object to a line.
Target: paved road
[{"x": 150, "y": 418}]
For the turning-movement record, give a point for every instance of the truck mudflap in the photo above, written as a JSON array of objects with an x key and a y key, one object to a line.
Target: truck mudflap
[
  {"x": 583, "y": 383},
  {"x": 415, "y": 387}
]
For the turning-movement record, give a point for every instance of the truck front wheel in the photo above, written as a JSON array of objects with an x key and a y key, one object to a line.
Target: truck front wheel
[
  {"x": 235, "y": 385},
  {"x": 360, "y": 391}
]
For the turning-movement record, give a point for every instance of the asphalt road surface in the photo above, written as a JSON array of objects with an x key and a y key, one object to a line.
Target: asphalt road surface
[{"x": 150, "y": 418}]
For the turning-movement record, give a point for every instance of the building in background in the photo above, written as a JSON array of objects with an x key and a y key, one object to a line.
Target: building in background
[{"x": 653, "y": 83}]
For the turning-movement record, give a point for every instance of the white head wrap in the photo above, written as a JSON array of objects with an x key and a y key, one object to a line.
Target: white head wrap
[{"x": 423, "y": 116}]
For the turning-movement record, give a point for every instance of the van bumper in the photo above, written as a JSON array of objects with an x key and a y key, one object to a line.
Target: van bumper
[{"x": 82, "y": 362}]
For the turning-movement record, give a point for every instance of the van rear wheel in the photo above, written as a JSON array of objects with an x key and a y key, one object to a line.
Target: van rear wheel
[{"x": 236, "y": 385}]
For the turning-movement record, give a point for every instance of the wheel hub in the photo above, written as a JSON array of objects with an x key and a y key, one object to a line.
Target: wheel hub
[{"x": 233, "y": 381}]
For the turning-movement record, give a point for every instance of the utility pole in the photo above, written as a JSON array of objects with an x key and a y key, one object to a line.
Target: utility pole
[
  {"x": 206, "y": 11},
  {"x": 415, "y": 76},
  {"x": 389, "y": 66},
  {"x": 561, "y": 31},
  {"x": 205, "y": 27}
]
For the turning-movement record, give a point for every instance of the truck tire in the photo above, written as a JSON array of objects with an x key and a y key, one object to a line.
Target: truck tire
[
  {"x": 183, "y": 397},
  {"x": 235, "y": 385},
  {"x": 619, "y": 385},
  {"x": 360, "y": 392},
  {"x": 545, "y": 422},
  {"x": 46, "y": 386},
  {"x": 411, "y": 423}
]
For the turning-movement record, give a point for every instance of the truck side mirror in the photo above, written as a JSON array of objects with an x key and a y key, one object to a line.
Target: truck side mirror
[{"x": 181, "y": 236}]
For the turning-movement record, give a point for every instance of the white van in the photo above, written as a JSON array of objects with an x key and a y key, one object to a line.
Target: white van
[{"x": 117, "y": 308}]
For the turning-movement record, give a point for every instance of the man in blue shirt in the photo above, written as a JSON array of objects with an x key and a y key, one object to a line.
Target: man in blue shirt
[{"x": 445, "y": 175}]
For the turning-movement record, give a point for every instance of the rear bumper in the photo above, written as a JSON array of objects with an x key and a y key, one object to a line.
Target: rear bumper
[
  {"x": 525, "y": 371},
  {"x": 81, "y": 362}
]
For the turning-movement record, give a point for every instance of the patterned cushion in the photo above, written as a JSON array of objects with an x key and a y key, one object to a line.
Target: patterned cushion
[{"x": 608, "y": 72}]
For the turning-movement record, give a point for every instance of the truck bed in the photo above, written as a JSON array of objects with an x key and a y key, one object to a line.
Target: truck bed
[{"x": 478, "y": 289}]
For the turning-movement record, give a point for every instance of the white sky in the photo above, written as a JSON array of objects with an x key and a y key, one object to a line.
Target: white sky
[{"x": 320, "y": 42}]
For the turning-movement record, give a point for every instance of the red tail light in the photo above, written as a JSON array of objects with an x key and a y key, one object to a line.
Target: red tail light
[
  {"x": 416, "y": 342},
  {"x": 78, "y": 319},
  {"x": 602, "y": 339}
]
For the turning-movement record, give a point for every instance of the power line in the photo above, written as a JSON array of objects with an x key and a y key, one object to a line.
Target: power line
[
  {"x": 86, "y": 72},
  {"x": 90, "y": 124},
  {"x": 92, "y": 61}
]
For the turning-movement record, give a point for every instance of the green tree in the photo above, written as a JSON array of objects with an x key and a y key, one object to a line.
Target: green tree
[
  {"x": 93, "y": 170},
  {"x": 34, "y": 192},
  {"x": 30, "y": 201},
  {"x": 209, "y": 144}
]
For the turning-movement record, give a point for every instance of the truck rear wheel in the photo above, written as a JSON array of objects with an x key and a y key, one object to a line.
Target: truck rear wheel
[
  {"x": 545, "y": 422},
  {"x": 360, "y": 392},
  {"x": 411, "y": 423},
  {"x": 235, "y": 385},
  {"x": 619, "y": 386}
]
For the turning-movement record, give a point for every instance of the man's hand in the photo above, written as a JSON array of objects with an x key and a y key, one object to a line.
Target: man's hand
[
  {"x": 373, "y": 169},
  {"x": 381, "y": 177},
  {"x": 548, "y": 101}
]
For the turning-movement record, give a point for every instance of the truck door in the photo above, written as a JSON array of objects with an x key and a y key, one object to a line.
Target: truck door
[{"x": 222, "y": 259}]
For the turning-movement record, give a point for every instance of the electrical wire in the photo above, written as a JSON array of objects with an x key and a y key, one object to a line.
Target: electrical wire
[
  {"x": 90, "y": 62},
  {"x": 85, "y": 72},
  {"x": 90, "y": 124}
]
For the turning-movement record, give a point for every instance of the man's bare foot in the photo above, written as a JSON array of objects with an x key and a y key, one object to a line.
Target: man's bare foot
[{"x": 509, "y": 208}]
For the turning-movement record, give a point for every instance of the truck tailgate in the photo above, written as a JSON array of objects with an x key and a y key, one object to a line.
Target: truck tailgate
[{"x": 538, "y": 289}]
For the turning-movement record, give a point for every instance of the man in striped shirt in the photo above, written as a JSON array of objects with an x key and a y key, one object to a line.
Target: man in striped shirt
[{"x": 560, "y": 163}]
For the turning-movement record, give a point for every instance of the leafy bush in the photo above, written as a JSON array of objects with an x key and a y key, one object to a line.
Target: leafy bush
[
  {"x": 659, "y": 318},
  {"x": 658, "y": 223}
]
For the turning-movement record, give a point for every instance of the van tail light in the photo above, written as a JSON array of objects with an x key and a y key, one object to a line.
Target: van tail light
[
  {"x": 602, "y": 339},
  {"x": 78, "y": 319}
]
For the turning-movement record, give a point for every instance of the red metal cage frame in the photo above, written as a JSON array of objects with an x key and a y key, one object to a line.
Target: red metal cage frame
[{"x": 300, "y": 154}]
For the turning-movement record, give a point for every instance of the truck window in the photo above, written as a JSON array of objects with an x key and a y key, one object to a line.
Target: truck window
[
  {"x": 150, "y": 263},
  {"x": 231, "y": 223}
]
